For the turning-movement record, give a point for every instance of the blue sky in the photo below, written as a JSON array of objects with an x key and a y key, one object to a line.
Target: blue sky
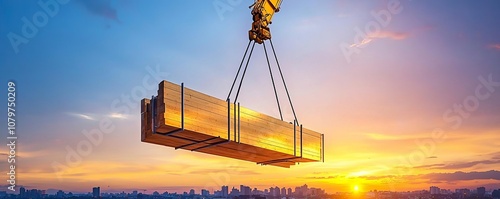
[{"x": 78, "y": 67}]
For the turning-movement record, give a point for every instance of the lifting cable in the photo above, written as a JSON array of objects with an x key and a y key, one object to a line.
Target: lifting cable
[
  {"x": 271, "y": 74},
  {"x": 237, "y": 73},
  {"x": 284, "y": 83},
  {"x": 272, "y": 80}
]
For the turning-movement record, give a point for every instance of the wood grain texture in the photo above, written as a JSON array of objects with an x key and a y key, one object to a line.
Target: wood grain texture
[{"x": 263, "y": 139}]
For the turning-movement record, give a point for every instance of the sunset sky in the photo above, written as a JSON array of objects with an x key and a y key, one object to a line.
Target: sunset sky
[{"x": 411, "y": 103}]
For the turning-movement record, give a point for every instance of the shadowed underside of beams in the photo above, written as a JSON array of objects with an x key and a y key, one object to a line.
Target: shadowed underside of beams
[{"x": 256, "y": 137}]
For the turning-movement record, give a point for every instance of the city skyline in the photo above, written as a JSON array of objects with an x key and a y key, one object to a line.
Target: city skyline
[
  {"x": 225, "y": 190},
  {"x": 407, "y": 93}
]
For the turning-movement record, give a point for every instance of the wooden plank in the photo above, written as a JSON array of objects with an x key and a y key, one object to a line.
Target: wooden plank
[
  {"x": 245, "y": 125},
  {"x": 263, "y": 138},
  {"x": 145, "y": 119},
  {"x": 173, "y": 144},
  {"x": 229, "y": 151},
  {"x": 220, "y": 105}
]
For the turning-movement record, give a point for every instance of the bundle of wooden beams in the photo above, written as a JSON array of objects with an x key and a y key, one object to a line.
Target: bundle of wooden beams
[{"x": 182, "y": 118}]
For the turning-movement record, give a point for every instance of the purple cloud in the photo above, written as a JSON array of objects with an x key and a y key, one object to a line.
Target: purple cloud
[
  {"x": 459, "y": 175},
  {"x": 459, "y": 165}
]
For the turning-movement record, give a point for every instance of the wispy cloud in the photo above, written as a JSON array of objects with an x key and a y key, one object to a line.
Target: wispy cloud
[
  {"x": 470, "y": 164},
  {"x": 381, "y": 35},
  {"x": 394, "y": 35},
  {"x": 429, "y": 166},
  {"x": 322, "y": 177},
  {"x": 495, "y": 156},
  {"x": 458, "y": 176},
  {"x": 25, "y": 154},
  {"x": 390, "y": 35},
  {"x": 81, "y": 115},
  {"x": 118, "y": 116},
  {"x": 432, "y": 177},
  {"x": 98, "y": 116},
  {"x": 495, "y": 46},
  {"x": 460, "y": 165},
  {"x": 379, "y": 136}
]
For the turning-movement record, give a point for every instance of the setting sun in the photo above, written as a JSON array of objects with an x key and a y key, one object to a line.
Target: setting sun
[{"x": 356, "y": 188}]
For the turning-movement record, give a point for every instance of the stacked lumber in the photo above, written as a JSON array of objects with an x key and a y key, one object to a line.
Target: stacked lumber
[{"x": 182, "y": 118}]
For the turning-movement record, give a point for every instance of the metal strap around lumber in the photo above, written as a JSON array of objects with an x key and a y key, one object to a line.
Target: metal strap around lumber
[
  {"x": 238, "y": 122},
  {"x": 236, "y": 113},
  {"x": 323, "y": 147},
  {"x": 153, "y": 113},
  {"x": 236, "y": 125},
  {"x": 182, "y": 114},
  {"x": 228, "y": 119},
  {"x": 301, "y": 140},
  {"x": 235, "y": 131},
  {"x": 294, "y": 138},
  {"x": 171, "y": 133},
  {"x": 295, "y": 124},
  {"x": 277, "y": 161},
  {"x": 211, "y": 145},
  {"x": 228, "y": 130},
  {"x": 182, "y": 138},
  {"x": 197, "y": 142}
]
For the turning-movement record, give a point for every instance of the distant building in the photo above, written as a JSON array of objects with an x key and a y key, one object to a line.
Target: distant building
[
  {"x": 315, "y": 192},
  {"x": 276, "y": 191},
  {"x": 302, "y": 190},
  {"x": 289, "y": 191},
  {"x": 34, "y": 193},
  {"x": 60, "y": 194},
  {"x": 225, "y": 191},
  {"x": 435, "y": 190},
  {"x": 234, "y": 192},
  {"x": 96, "y": 192},
  {"x": 496, "y": 194},
  {"x": 245, "y": 190},
  {"x": 283, "y": 191},
  {"x": 205, "y": 192},
  {"x": 22, "y": 192},
  {"x": 462, "y": 193},
  {"x": 191, "y": 192},
  {"x": 481, "y": 191}
]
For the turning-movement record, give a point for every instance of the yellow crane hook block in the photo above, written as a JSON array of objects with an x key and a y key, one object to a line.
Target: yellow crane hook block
[{"x": 182, "y": 118}]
